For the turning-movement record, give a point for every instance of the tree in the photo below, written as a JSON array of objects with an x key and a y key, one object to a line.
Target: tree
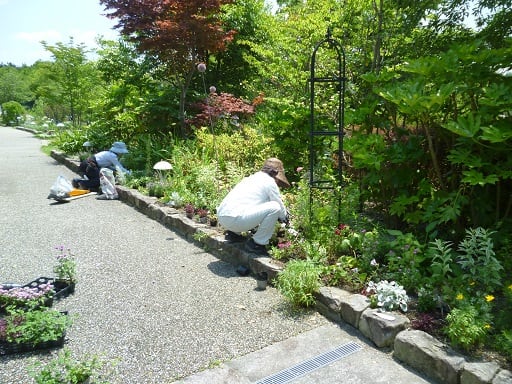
[
  {"x": 73, "y": 77},
  {"x": 13, "y": 85},
  {"x": 135, "y": 100},
  {"x": 179, "y": 34},
  {"x": 235, "y": 70}
]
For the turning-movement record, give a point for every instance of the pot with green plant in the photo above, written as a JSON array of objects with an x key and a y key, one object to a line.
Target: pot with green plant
[
  {"x": 65, "y": 271},
  {"x": 24, "y": 330}
]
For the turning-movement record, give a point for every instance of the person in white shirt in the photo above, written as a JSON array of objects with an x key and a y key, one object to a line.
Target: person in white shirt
[
  {"x": 91, "y": 166},
  {"x": 255, "y": 202}
]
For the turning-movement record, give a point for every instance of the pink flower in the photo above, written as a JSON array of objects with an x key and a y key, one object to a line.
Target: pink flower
[
  {"x": 299, "y": 169},
  {"x": 285, "y": 244}
]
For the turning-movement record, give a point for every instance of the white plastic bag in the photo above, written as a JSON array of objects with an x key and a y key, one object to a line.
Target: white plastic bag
[
  {"x": 61, "y": 188},
  {"x": 108, "y": 183}
]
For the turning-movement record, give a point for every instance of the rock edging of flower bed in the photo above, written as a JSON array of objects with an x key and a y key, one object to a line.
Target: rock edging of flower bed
[{"x": 389, "y": 330}]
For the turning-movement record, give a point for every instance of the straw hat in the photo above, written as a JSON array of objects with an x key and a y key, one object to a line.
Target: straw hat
[
  {"x": 277, "y": 165},
  {"x": 119, "y": 147}
]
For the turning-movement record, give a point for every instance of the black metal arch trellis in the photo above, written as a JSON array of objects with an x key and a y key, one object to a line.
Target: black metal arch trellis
[{"x": 318, "y": 130}]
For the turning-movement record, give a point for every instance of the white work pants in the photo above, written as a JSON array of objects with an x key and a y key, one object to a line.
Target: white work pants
[{"x": 263, "y": 216}]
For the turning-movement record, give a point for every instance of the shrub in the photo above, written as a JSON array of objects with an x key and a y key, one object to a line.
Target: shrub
[
  {"x": 13, "y": 113},
  {"x": 465, "y": 328}
]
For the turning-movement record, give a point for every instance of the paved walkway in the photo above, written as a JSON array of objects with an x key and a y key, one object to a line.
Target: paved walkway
[{"x": 163, "y": 307}]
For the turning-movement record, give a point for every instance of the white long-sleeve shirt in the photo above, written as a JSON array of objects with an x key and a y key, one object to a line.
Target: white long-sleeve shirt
[
  {"x": 108, "y": 159},
  {"x": 249, "y": 192}
]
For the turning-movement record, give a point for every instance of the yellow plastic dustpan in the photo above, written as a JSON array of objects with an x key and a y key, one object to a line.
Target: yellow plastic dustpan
[{"x": 78, "y": 192}]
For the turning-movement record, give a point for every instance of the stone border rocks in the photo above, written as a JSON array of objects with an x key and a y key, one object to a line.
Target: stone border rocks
[{"x": 389, "y": 330}]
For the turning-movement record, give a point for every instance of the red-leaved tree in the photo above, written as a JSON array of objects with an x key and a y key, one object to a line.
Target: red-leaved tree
[
  {"x": 179, "y": 33},
  {"x": 223, "y": 106}
]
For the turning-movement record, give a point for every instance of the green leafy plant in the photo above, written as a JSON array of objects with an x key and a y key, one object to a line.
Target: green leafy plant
[
  {"x": 66, "y": 369},
  {"x": 480, "y": 268},
  {"x": 443, "y": 259},
  {"x": 299, "y": 281},
  {"x": 13, "y": 113},
  {"x": 503, "y": 343},
  {"x": 199, "y": 236},
  {"x": 465, "y": 328},
  {"x": 404, "y": 259},
  {"x": 33, "y": 326},
  {"x": 345, "y": 241},
  {"x": 65, "y": 269},
  {"x": 157, "y": 188}
]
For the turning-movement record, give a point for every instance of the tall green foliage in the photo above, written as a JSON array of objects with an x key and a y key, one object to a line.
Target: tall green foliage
[
  {"x": 455, "y": 109},
  {"x": 13, "y": 113},
  {"x": 14, "y": 85},
  {"x": 74, "y": 80}
]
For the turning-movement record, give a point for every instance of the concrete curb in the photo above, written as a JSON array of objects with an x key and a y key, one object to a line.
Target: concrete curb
[{"x": 390, "y": 331}]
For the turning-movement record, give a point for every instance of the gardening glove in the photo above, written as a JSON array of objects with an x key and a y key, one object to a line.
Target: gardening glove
[{"x": 286, "y": 218}]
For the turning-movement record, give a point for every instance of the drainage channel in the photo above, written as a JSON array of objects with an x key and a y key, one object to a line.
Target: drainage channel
[{"x": 310, "y": 365}]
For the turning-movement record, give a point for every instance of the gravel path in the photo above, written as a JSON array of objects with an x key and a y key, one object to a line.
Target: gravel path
[{"x": 158, "y": 304}]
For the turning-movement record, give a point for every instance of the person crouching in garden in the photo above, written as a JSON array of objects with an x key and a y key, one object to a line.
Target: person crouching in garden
[
  {"x": 255, "y": 202},
  {"x": 91, "y": 166}
]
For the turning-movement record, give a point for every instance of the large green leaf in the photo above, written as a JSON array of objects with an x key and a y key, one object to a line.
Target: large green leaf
[
  {"x": 474, "y": 177},
  {"x": 497, "y": 133},
  {"x": 466, "y": 126}
]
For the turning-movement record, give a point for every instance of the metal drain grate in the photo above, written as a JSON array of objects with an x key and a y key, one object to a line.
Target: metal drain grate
[{"x": 289, "y": 374}]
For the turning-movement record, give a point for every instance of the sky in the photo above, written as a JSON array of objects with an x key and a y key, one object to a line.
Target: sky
[{"x": 24, "y": 23}]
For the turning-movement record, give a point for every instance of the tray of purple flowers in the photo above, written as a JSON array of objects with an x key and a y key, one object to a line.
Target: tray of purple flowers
[
  {"x": 39, "y": 292},
  {"x": 61, "y": 288}
]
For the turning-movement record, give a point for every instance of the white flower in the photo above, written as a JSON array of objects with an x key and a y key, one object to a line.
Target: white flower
[{"x": 292, "y": 232}]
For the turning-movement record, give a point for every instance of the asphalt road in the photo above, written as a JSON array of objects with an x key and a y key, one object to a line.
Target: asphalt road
[{"x": 161, "y": 307}]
